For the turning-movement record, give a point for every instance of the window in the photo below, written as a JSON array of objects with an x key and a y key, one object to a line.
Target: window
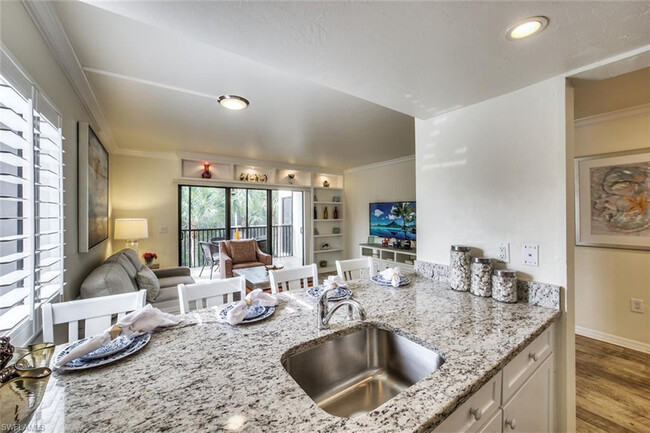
[{"x": 31, "y": 199}]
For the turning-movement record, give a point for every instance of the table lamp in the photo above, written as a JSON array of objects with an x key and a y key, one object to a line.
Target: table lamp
[{"x": 131, "y": 230}]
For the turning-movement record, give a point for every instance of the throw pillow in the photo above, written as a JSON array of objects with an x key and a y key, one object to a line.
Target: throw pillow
[
  {"x": 147, "y": 280},
  {"x": 243, "y": 251}
]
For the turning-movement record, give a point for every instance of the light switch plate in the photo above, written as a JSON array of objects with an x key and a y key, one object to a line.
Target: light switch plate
[{"x": 531, "y": 254}]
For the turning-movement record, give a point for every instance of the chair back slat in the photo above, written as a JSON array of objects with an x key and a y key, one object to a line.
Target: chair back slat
[
  {"x": 97, "y": 325},
  {"x": 355, "y": 268},
  {"x": 294, "y": 278},
  {"x": 73, "y": 330},
  {"x": 214, "y": 293},
  {"x": 96, "y": 313}
]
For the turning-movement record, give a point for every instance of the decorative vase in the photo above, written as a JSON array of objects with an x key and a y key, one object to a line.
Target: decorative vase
[
  {"x": 323, "y": 263},
  {"x": 326, "y": 184},
  {"x": 148, "y": 261},
  {"x": 206, "y": 172}
]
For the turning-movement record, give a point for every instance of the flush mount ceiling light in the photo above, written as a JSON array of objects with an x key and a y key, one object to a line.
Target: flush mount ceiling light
[
  {"x": 233, "y": 102},
  {"x": 526, "y": 28}
]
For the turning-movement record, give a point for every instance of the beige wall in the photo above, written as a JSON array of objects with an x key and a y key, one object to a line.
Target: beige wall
[
  {"x": 20, "y": 36},
  {"x": 144, "y": 187},
  {"x": 390, "y": 182},
  {"x": 607, "y": 278},
  {"x": 497, "y": 172}
]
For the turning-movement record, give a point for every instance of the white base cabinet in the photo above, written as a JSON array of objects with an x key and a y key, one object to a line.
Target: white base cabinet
[
  {"x": 518, "y": 398},
  {"x": 531, "y": 408}
]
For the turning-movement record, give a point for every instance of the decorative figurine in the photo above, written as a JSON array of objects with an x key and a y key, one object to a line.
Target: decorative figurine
[
  {"x": 206, "y": 171},
  {"x": 326, "y": 184},
  {"x": 384, "y": 242},
  {"x": 291, "y": 177}
]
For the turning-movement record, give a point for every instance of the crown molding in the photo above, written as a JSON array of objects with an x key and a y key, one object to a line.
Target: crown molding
[
  {"x": 147, "y": 154},
  {"x": 51, "y": 28},
  {"x": 612, "y": 115},
  {"x": 380, "y": 164}
]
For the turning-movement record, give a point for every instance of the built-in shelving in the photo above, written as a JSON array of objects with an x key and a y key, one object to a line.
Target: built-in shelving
[{"x": 387, "y": 257}]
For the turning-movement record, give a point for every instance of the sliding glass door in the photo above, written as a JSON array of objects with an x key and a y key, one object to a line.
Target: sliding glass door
[{"x": 211, "y": 214}]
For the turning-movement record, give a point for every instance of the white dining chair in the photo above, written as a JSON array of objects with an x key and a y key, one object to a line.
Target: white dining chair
[
  {"x": 294, "y": 278},
  {"x": 355, "y": 268},
  {"x": 210, "y": 294},
  {"x": 97, "y": 314}
]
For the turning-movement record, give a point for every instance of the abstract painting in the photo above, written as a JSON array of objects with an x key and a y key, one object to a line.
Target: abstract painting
[
  {"x": 93, "y": 189},
  {"x": 613, "y": 200}
]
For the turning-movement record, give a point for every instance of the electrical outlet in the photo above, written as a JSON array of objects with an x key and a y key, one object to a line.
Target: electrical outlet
[
  {"x": 164, "y": 229},
  {"x": 503, "y": 253},
  {"x": 531, "y": 254},
  {"x": 636, "y": 305}
]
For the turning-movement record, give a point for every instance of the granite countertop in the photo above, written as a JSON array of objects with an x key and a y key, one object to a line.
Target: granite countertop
[{"x": 205, "y": 375}]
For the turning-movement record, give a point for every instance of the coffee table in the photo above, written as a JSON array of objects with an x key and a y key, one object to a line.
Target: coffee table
[{"x": 257, "y": 277}]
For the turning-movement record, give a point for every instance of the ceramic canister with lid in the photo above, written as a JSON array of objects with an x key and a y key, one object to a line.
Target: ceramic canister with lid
[
  {"x": 459, "y": 279},
  {"x": 481, "y": 283},
  {"x": 504, "y": 285}
]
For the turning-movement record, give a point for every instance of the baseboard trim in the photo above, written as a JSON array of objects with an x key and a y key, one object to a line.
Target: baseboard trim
[{"x": 613, "y": 339}]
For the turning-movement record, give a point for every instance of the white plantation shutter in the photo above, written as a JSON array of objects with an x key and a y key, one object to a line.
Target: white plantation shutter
[{"x": 31, "y": 200}]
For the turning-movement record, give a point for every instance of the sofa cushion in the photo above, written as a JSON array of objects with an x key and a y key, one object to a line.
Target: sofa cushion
[
  {"x": 133, "y": 258},
  {"x": 247, "y": 265},
  {"x": 167, "y": 294},
  {"x": 148, "y": 281},
  {"x": 175, "y": 281},
  {"x": 109, "y": 278},
  {"x": 243, "y": 251}
]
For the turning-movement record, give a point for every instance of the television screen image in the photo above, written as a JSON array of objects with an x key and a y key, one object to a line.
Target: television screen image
[{"x": 393, "y": 220}]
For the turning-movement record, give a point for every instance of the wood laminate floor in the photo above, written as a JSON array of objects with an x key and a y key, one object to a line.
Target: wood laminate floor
[{"x": 612, "y": 388}]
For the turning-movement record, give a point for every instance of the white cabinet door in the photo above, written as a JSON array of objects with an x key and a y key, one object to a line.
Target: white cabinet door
[
  {"x": 495, "y": 424},
  {"x": 531, "y": 408}
]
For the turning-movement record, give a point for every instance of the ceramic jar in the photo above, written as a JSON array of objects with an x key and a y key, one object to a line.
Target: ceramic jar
[
  {"x": 481, "y": 270},
  {"x": 504, "y": 285},
  {"x": 459, "y": 279}
]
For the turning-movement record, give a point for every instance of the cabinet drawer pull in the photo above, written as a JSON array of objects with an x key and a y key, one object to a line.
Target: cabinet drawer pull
[
  {"x": 512, "y": 423},
  {"x": 533, "y": 356},
  {"x": 478, "y": 413}
]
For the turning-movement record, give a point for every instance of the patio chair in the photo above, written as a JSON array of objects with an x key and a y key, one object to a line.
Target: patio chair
[{"x": 210, "y": 256}]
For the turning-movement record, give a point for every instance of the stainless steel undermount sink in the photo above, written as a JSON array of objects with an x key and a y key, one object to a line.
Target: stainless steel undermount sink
[{"x": 355, "y": 373}]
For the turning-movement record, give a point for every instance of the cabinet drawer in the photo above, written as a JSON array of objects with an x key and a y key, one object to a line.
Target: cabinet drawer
[
  {"x": 524, "y": 365},
  {"x": 482, "y": 405},
  {"x": 495, "y": 424}
]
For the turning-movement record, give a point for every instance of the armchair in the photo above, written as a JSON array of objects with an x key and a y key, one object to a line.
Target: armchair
[{"x": 239, "y": 255}]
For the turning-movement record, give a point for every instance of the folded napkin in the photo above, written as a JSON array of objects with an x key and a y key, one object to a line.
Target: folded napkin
[
  {"x": 332, "y": 282},
  {"x": 133, "y": 324},
  {"x": 393, "y": 275},
  {"x": 256, "y": 298}
]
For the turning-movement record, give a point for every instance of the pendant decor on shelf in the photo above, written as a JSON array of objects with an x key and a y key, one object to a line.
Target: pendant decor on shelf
[{"x": 206, "y": 171}]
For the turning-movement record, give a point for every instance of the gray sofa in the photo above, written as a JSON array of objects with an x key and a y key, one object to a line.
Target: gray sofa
[{"x": 123, "y": 272}]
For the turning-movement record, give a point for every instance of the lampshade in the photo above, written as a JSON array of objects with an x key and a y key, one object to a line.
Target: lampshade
[{"x": 131, "y": 228}]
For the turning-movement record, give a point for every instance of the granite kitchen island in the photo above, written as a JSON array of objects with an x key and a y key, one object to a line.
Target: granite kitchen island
[{"x": 205, "y": 375}]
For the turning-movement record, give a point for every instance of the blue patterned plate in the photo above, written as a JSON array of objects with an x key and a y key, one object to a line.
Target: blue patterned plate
[
  {"x": 403, "y": 281},
  {"x": 266, "y": 313},
  {"x": 114, "y": 346},
  {"x": 78, "y": 364},
  {"x": 340, "y": 293}
]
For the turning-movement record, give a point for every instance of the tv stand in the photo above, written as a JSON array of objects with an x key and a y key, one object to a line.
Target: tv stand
[{"x": 389, "y": 257}]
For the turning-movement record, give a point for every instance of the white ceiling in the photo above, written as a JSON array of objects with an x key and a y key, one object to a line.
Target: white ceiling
[
  {"x": 158, "y": 92},
  {"x": 419, "y": 58}
]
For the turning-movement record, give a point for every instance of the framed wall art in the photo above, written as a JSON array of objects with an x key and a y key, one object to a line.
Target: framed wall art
[
  {"x": 93, "y": 189},
  {"x": 613, "y": 200}
]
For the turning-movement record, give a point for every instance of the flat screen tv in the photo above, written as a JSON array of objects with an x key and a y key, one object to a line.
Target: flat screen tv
[{"x": 393, "y": 220}]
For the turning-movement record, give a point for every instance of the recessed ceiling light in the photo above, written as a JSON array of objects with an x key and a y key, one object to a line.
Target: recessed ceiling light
[
  {"x": 526, "y": 28},
  {"x": 233, "y": 102}
]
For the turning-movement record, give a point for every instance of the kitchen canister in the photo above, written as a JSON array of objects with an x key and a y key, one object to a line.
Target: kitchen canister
[
  {"x": 481, "y": 283},
  {"x": 504, "y": 285},
  {"x": 459, "y": 278}
]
